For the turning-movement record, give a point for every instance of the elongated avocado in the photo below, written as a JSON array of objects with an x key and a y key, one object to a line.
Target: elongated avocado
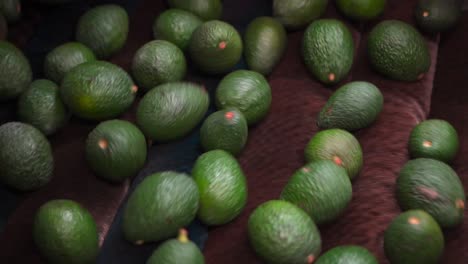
[
  {"x": 205, "y": 9},
  {"x": 347, "y": 254},
  {"x": 13, "y": 63},
  {"x": 11, "y": 9},
  {"x": 295, "y": 14},
  {"x": 435, "y": 16}
]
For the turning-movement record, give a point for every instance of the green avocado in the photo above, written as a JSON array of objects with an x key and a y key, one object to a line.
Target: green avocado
[
  {"x": 66, "y": 233},
  {"x": 398, "y": 51},
  {"x": 222, "y": 185},
  {"x": 265, "y": 42},
  {"x": 247, "y": 91},
  {"x": 328, "y": 50},
  {"x": 25, "y": 157},
  {"x": 172, "y": 110},
  {"x": 281, "y": 232},
  {"x": 205, "y": 9},
  {"x": 351, "y": 107},
  {"x": 104, "y": 29},
  {"x": 3, "y": 28},
  {"x": 215, "y": 47},
  {"x": 116, "y": 150},
  {"x": 435, "y": 16},
  {"x": 158, "y": 62},
  {"x": 321, "y": 188},
  {"x": 159, "y": 206},
  {"x": 98, "y": 90},
  {"x": 176, "y": 26},
  {"x": 42, "y": 107},
  {"x": 295, "y": 14},
  {"x": 65, "y": 57},
  {"x": 361, "y": 10},
  {"x": 11, "y": 9},
  {"x": 13, "y": 63},
  {"x": 413, "y": 237},
  {"x": 434, "y": 187},
  {"x": 347, "y": 254},
  {"x": 336, "y": 145}
]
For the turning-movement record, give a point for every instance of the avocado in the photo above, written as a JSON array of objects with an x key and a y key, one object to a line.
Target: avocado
[
  {"x": 336, "y": 145},
  {"x": 215, "y": 47},
  {"x": 13, "y": 63},
  {"x": 11, "y": 9},
  {"x": 265, "y": 42},
  {"x": 98, "y": 90},
  {"x": 104, "y": 29},
  {"x": 180, "y": 250},
  {"x": 398, "y": 51},
  {"x": 347, "y": 254},
  {"x": 3, "y": 28},
  {"x": 295, "y": 14},
  {"x": 351, "y": 107},
  {"x": 116, "y": 150},
  {"x": 42, "y": 107},
  {"x": 361, "y": 10},
  {"x": 65, "y": 57},
  {"x": 435, "y": 139},
  {"x": 222, "y": 186},
  {"x": 172, "y": 110},
  {"x": 435, "y": 16},
  {"x": 328, "y": 50},
  {"x": 65, "y": 232},
  {"x": 281, "y": 232},
  {"x": 321, "y": 188},
  {"x": 176, "y": 26},
  {"x": 413, "y": 237},
  {"x": 205, "y": 9},
  {"x": 225, "y": 129},
  {"x": 434, "y": 187},
  {"x": 159, "y": 206},
  {"x": 158, "y": 62},
  {"x": 247, "y": 91},
  {"x": 25, "y": 157}
]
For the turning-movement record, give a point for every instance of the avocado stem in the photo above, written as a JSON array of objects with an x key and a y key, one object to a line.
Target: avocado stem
[
  {"x": 331, "y": 77},
  {"x": 103, "y": 143},
  {"x": 337, "y": 160},
  {"x": 222, "y": 45},
  {"x": 427, "y": 144},
  {"x": 414, "y": 220},
  {"x": 229, "y": 115},
  {"x": 139, "y": 242},
  {"x": 134, "y": 88},
  {"x": 425, "y": 14},
  {"x": 183, "y": 235},
  {"x": 460, "y": 204},
  {"x": 310, "y": 259}
]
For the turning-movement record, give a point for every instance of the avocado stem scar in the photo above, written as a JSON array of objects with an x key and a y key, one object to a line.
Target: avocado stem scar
[
  {"x": 429, "y": 193},
  {"x": 460, "y": 204},
  {"x": 414, "y": 220},
  {"x": 427, "y": 143},
  {"x": 134, "y": 88},
  {"x": 103, "y": 143},
  {"x": 331, "y": 77},
  {"x": 229, "y": 115},
  {"x": 337, "y": 160},
  {"x": 305, "y": 169},
  {"x": 222, "y": 45},
  {"x": 310, "y": 259},
  {"x": 425, "y": 14},
  {"x": 183, "y": 235},
  {"x": 139, "y": 242}
]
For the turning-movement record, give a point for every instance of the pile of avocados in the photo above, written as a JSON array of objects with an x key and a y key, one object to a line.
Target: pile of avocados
[{"x": 79, "y": 81}]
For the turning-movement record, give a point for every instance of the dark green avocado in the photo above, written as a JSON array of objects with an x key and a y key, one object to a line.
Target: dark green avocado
[
  {"x": 11, "y": 10},
  {"x": 347, "y": 254},
  {"x": 13, "y": 63},
  {"x": 361, "y": 10},
  {"x": 295, "y": 14},
  {"x": 435, "y": 16},
  {"x": 205, "y": 9}
]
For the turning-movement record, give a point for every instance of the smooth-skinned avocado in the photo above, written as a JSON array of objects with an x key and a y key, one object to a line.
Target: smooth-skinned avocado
[
  {"x": 328, "y": 50},
  {"x": 172, "y": 110},
  {"x": 435, "y": 16},
  {"x": 337, "y": 145},
  {"x": 398, "y": 51},
  {"x": 215, "y": 47},
  {"x": 25, "y": 157},
  {"x": 98, "y": 90},
  {"x": 247, "y": 91},
  {"x": 265, "y": 42},
  {"x": 413, "y": 237},
  {"x": 222, "y": 186},
  {"x": 104, "y": 29},
  {"x": 347, "y": 254},
  {"x": 116, "y": 150},
  {"x": 351, "y": 107},
  {"x": 321, "y": 188},
  {"x": 42, "y": 107},
  {"x": 281, "y": 232},
  {"x": 11, "y": 9},
  {"x": 13, "y": 63},
  {"x": 3, "y": 27},
  {"x": 65, "y": 232},
  {"x": 205, "y": 9},
  {"x": 434, "y": 187},
  {"x": 158, "y": 62},
  {"x": 295, "y": 14},
  {"x": 226, "y": 130},
  {"x": 159, "y": 206},
  {"x": 65, "y": 57},
  {"x": 361, "y": 10}
]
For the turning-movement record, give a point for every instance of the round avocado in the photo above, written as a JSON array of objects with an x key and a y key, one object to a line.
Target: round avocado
[
  {"x": 104, "y": 29},
  {"x": 159, "y": 206},
  {"x": 361, "y": 10},
  {"x": 172, "y": 110},
  {"x": 398, "y": 51},
  {"x": 98, "y": 90},
  {"x": 295, "y": 14},
  {"x": 3, "y": 27},
  {"x": 414, "y": 237},
  {"x": 25, "y": 157},
  {"x": 247, "y": 91},
  {"x": 215, "y": 47},
  {"x": 42, "y": 107},
  {"x": 348, "y": 254},
  {"x": 205, "y": 9},
  {"x": 435, "y": 16},
  {"x": 336, "y": 145},
  {"x": 281, "y": 232},
  {"x": 116, "y": 150},
  {"x": 13, "y": 63},
  {"x": 11, "y": 9},
  {"x": 65, "y": 232},
  {"x": 158, "y": 62},
  {"x": 65, "y": 57},
  {"x": 176, "y": 26}
]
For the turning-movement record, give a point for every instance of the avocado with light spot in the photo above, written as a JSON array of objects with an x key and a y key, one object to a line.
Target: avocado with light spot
[
  {"x": 347, "y": 254},
  {"x": 435, "y": 16},
  {"x": 205, "y": 9}
]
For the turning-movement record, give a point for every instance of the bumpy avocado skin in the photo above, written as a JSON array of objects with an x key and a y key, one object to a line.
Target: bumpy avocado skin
[
  {"x": 347, "y": 254},
  {"x": 205, "y": 9},
  {"x": 13, "y": 63},
  {"x": 295, "y": 14}
]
